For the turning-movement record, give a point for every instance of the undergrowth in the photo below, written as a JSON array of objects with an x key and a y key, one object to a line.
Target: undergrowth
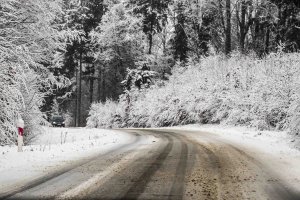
[{"x": 241, "y": 90}]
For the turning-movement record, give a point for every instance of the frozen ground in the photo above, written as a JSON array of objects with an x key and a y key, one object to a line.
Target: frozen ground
[
  {"x": 276, "y": 149},
  {"x": 55, "y": 148}
]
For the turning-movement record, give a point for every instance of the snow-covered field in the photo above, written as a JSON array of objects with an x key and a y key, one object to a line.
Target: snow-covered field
[
  {"x": 275, "y": 149},
  {"x": 53, "y": 149}
]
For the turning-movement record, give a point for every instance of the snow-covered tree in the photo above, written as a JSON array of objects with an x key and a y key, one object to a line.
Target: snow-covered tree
[
  {"x": 29, "y": 42},
  {"x": 120, "y": 30}
]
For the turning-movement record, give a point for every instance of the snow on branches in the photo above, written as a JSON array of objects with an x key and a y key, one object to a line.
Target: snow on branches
[
  {"x": 29, "y": 39},
  {"x": 242, "y": 90}
]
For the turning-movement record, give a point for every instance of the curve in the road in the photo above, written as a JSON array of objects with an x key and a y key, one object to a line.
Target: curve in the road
[{"x": 180, "y": 165}]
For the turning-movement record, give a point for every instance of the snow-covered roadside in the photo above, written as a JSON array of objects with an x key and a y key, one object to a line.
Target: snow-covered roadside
[
  {"x": 50, "y": 151},
  {"x": 275, "y": 149}
]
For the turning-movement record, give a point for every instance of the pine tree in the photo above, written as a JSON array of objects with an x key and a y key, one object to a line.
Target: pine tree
[
  {"x": 228, "y": 28},
  {"x": 78, "y": 65},
  {"x": 180, "y": 40},
  {"x": 121, "y": 40},
  {"x": 154, "y": 12}
]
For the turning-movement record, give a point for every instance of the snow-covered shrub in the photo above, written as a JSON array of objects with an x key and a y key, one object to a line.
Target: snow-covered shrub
[
  {"x": 103, "y": 114},
  {"x": 241, "y": 90}
]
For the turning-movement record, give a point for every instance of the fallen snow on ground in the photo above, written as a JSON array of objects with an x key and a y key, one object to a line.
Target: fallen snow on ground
[
  {"x": 275, "y": 149},
  {"x": 53, "y": 149},
  {"x": 276, "y": 141}
]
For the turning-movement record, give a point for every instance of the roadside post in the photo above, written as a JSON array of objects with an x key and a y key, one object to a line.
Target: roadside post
[{"x": 20, "y": 126}]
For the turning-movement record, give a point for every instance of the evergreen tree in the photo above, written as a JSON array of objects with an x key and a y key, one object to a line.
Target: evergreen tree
[
  {"x": 154, "y": 13},
  {"x": 78, "y": 65},
  {"x": 120, "y": 41},
  {"x": 180, "y": 40}
]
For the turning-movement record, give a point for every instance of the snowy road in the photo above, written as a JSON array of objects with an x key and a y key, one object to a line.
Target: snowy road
[{"x": 175, "y": 164}]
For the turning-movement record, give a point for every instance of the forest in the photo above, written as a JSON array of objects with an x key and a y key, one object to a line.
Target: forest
[{"x": 149, "y": 63}]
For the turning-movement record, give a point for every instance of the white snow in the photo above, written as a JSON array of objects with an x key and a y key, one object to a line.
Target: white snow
[
  {"x": 273, "y": 148},
  {"x": 53, "y": 149}
]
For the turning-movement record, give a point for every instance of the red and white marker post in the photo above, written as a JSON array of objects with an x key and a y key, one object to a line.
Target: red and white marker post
[{"x": 20, "y": 126}]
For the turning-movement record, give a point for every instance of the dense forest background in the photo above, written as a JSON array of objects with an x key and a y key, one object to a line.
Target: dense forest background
[
  {"x": 119, "y": 62},
  {"x": 117, "y": 35}
]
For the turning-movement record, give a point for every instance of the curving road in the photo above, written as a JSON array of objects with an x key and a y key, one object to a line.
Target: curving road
[{"x": 175, "y": 165}]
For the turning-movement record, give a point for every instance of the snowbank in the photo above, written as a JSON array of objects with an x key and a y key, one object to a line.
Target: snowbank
[
  {"x": 51, "y": 150},
  {"x": 277, "y": 141}
]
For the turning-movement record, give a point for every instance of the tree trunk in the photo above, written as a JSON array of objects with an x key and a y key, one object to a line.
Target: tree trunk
[
  {"x": 79, "y": 99},
  {"x": 92, "y": 84},
  {"x": 256, "y": 36},
  {"x": 151, "y": 30},
  {"x": 243, "y": 26},
  {"x": 267, "y": 40},
  {"x": 164, "y": 41},
  {"x": 278, "y": 35},
  {"x": 103, "y": 96},
  {"x": 222, "y": 16},
  {"x": 228, "y": 28},
  {"x": 99, "y": 84},
  {"x": 78, "y": 121},
  {"x": 76, "y": 102},
  {"x": 150, "y": 40}
]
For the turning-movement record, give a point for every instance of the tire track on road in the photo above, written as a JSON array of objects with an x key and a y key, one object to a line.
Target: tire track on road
[
  {"x": 177, "y": 189},
  {"x": 139, "y": 186},
  {"x": 202, "y": 181},
  {"x": 184, "y": 166}
]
